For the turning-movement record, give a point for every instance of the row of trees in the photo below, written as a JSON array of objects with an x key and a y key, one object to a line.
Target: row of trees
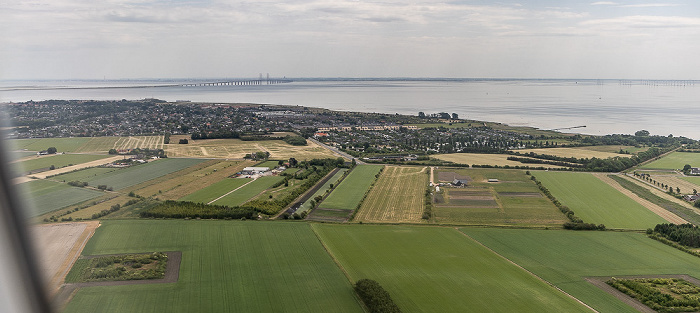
[
  {"x": 184, "y": 209},
  {"x": 615, "y": 164}
]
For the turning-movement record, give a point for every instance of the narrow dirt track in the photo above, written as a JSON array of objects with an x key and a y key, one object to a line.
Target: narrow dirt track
[
  {"x": 67, "y": 169},
  {"x": 670, "y": 217}
]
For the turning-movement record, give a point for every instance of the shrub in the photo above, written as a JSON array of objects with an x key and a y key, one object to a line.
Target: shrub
[{"x": 375, "y": 297}]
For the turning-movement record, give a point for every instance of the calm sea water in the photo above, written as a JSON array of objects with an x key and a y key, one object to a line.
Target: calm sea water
[{"x": 603, "y": 106}]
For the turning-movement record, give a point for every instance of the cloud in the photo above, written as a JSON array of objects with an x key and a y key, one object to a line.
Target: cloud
[
  {"x": 649, "y": 5},
  {"x": 603, "y": 3}
]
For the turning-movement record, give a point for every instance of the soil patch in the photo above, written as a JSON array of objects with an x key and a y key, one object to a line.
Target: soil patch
[
  {"x": 599, "y": 281},
  {"x": 521, "y": 194},
  {"x": 59, "y": 245},
  {"x": 450, "y": 176}
]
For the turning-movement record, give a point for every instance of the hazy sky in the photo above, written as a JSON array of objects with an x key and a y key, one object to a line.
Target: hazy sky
[{"x": 73, "y": 39}]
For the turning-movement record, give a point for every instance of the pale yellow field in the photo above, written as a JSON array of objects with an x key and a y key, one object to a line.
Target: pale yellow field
[
  {"x": 573, "y": 152},
  {"x": 485, "y": 159},
  {"x": 397, "y": 196},
  {"x": 103, "y": 144},
  {"x": 237, "y": 149},
  {"x": 675, "y": 182}
]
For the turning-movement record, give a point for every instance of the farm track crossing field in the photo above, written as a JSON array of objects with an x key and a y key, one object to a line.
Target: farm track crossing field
[
  {"x": 352, "y": 189},
  {"x": 216, "y": 190},
  {"x": 61, "y": 144},
  {"x": 485, "y": 159},
  {"x": 237, "y": 149},
  {"x": 181, "y": 183},
  {"x": 675, "y": 160},
  {"x": 227, "y": 266},
  {"x": 248, "y": 191},
  {"x": 59, "y": 160},
  {"x": 46, "y": 196},
  {"x": 437, "y": 269},
  {"x": 397, "y": 196},
  {"x": 579, "y": 153},
  {"x": 596, "y": 202},
  {"x": 564, "y": 258},
  {"x": 134, "y": 175}
]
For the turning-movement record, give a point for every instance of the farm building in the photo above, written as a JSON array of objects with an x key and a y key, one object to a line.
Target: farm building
[
  {"x": 459, "y": 182},
  {"x": 251, "y": 170},
  {"x": 492, "y": 180},
  {"x": 694, "y": 171}
]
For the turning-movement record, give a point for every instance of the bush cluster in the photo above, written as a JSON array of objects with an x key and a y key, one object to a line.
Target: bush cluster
[
  {"x": 295, "y": 140},
  {"x": 684, "y": 234},
  {"x": 644, "y": 290},
  {"x": 76, "y": 183},
  {"x": 375, "y": 298}
]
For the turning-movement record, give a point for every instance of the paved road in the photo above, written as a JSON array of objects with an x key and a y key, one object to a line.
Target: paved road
[{"x": 336, "y": 151}]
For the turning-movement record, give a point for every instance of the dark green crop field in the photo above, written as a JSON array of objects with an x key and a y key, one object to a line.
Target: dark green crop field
[{"x": 227, "y": 266}]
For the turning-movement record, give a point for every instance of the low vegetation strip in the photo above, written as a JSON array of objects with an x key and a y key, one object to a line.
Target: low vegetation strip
[
  {"x": 435, "y": 269},
  {"x": 597, "y": 202},
  {"x": 397, "y": 196},
  {"x": 226, "y": 266},
  {"x": 565, "y": 258},
  {"x": 664, "y": 295},
  {"x": 351, "y": 191}
]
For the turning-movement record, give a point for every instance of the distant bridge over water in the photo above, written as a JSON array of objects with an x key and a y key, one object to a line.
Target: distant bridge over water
[{"x": 239, "y": 82}]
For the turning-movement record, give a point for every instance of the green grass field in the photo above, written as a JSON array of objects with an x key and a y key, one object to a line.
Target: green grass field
[
  {"x": 249, "y": 191},
  {"x": 321, "y": 191},
  {"x": 137, "y": 174},
  {"x": 45, "y": 196},
  {"x": 675, "y": 160},
  {"x": 352, "y": 189},
  {"x": 227, "y": 266},
  {"x": 596, "y": 202},
  {"x": 216, "y": 190},
  {"x": 61, "y": 144},
  {"x": 434, "y": 269},
  {"x": 693, "y": 180},
  {"x": 564, "y": 258},
  {"x": 59, "y": 160},
  {"x": 270, "y": 164}
]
